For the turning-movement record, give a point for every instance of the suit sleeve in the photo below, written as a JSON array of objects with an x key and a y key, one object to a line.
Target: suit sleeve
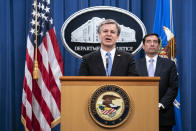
[
  {"x": 132, "y": 71},
  {"x": 172, "y": 89},
  {"x": 83, "y": 71}
]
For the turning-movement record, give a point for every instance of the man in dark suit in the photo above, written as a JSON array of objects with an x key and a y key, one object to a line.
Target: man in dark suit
[
  {"x": 108, "y": 61},
  {"x": 153, "y": 65}
]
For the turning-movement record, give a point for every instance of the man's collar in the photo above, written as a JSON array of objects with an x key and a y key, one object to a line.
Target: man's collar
[
  {"x": 148, "y": 58},
  {"x": 104, "y": 52}
]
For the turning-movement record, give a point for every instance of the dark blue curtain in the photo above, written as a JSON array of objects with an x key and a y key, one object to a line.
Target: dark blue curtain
[
  {"x": 14, "y": 15},
  {"x": 185, "y": 32}
]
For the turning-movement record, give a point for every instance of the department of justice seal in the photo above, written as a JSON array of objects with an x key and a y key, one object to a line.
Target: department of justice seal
[{"x": 109, "y": 106}]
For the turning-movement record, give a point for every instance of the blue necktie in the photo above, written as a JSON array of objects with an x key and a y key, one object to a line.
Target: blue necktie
[
  {"x": 151, "y": 68},
  {"x": 108, "y": 64}
]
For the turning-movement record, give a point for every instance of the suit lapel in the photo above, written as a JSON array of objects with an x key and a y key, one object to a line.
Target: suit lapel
[
  {"x": 143, "y": 68},
  {"x": 158, "y": 67},
  {"x": 99, "y": 60},
  {"x": 116, "y": 62}
]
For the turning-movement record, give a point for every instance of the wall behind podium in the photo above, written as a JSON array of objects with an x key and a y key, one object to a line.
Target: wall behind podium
[{"x": 14, "y": 20}]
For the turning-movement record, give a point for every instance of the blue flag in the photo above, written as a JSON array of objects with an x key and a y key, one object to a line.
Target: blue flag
[{"x": 164, "y": 27}]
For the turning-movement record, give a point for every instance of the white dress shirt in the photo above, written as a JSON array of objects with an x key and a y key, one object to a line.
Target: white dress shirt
[
  {"x": 103, "y": 55},
  {"x": 148, "y": 61}
]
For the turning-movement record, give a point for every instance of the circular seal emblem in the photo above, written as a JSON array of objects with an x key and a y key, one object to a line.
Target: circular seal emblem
[
  {"x": 109, "y": 106},
  {"x": 79, "y": 31}
]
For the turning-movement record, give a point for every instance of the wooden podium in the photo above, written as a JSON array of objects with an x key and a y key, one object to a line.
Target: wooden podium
[{"x": 77, "y": 90}]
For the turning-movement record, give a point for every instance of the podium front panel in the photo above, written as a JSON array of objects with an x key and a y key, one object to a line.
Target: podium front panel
[{"x": 76, "y": 92}]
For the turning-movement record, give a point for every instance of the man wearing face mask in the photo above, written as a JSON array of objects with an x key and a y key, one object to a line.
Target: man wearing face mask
[{"x": 108, "y": 61}]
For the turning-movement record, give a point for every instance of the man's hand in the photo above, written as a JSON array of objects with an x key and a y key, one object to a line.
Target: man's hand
[{"x": 161, "y": 106}]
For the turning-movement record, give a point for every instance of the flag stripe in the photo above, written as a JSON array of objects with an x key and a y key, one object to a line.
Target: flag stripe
[
  {"x": 56, "y": 48},
  {"x": 55, "y": 65},
  {"x": 27, "y": 91},
  {"x": 49, "y": 99},
  {"x": 35, "y": 123},
  {"x": 43, "y": 106},
  {"x": 55, "y": 92},
  {"x": 49, "y": 83},
  {"x": 28, "y": 121},
  {"x": 29, "y": 62},
  {"x": 44, "y": 54},
  {"x": 38, "y": 116},
  {"x": 30, "y": 49}
]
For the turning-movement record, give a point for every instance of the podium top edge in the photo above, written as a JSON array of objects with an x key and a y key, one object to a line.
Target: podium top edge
[{"x": 110, "y": 78}]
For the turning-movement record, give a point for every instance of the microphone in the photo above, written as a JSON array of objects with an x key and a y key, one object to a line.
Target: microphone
[{"x": 107, "y": 63}]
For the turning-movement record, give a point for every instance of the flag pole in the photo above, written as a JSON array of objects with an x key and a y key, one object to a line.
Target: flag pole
[
  {"x": 173, "y": 53},
  {"x": 35, "y": 69}
]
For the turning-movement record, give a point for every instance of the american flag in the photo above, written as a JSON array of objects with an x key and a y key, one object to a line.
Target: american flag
[
  {"x": 41, "y": 97},
  {"x": 107, "y": 112}
]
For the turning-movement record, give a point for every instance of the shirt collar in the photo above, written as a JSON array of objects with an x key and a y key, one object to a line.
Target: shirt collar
[
  {"x": 103, "y": 52},
  {"x": 154, "y": 58}
]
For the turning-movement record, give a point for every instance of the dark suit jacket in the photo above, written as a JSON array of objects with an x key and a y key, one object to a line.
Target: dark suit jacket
[
  {"x": 168, "y": 86},
  {"x": 123, "y": 65}
]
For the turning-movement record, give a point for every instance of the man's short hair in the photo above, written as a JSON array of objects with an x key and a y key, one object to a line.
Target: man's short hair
[
  {"x": 151, "y": 34},
  {"x": 109, "y": 21}
]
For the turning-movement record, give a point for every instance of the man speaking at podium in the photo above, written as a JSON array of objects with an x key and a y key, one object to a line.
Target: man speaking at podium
[{"x": 108, "y": 61}]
